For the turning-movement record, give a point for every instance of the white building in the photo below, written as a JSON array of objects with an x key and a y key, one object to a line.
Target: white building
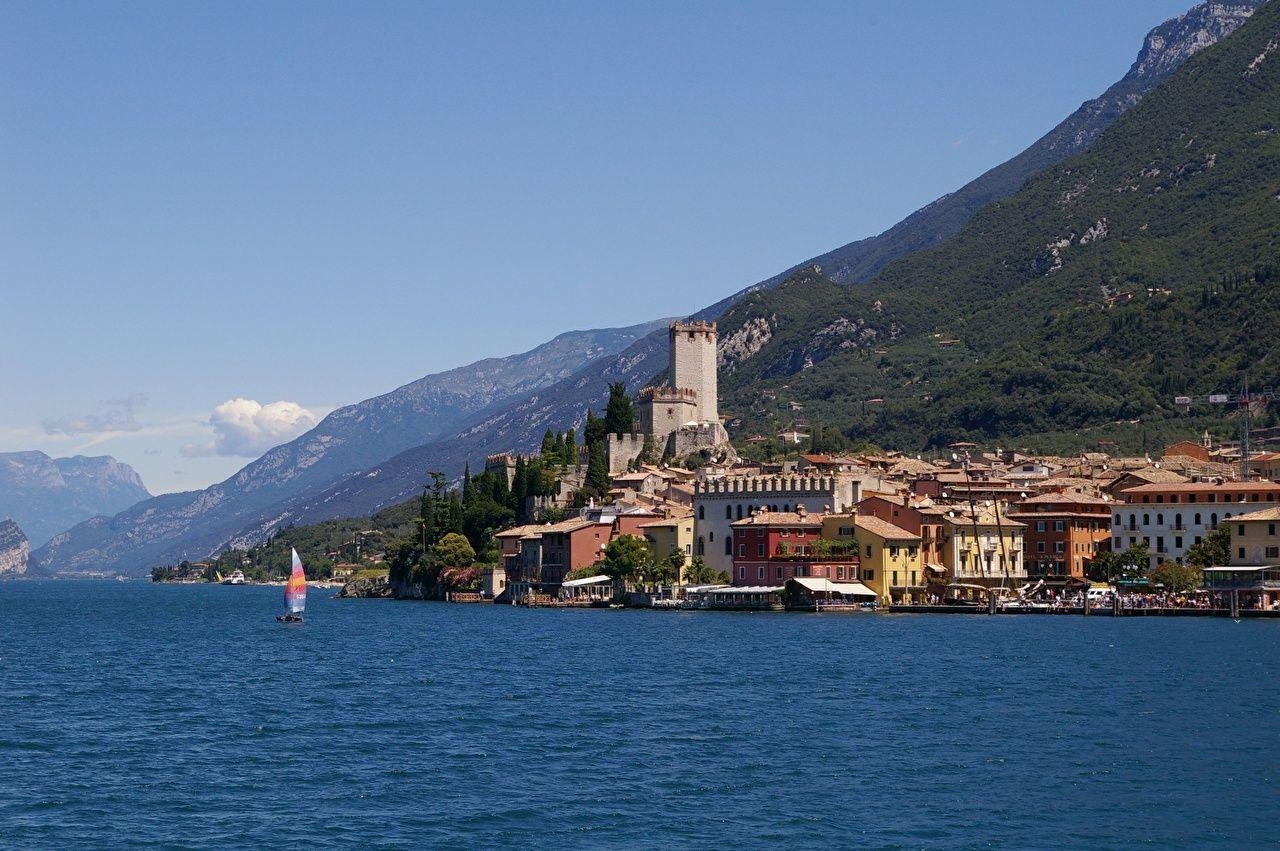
[
  {"x": 717, "y": 503},
  {"x": 1170, "y": 518}
]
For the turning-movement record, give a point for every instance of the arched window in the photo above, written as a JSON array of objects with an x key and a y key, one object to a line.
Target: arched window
[
  {"x": 1146, "y": 520},
  {"x": 702, "y": 512},
  {"x": 1159, "y": 519},
  {"x": 702, "y": 547},
  {"x": 1117, "y": 519},
  {"x": 728, "y": 512},
  {"x": 1197, "y": 519},
  {"x": 786, "y": 507},
  {"x": 739, "y": 511},
  {"x": 1177, "y": 521},
  {"x": 1213, "y": 520},
  {"x": 1133, "y": 522}
]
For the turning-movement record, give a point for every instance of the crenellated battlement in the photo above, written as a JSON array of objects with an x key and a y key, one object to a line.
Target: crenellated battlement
[
  {"x": 698, "y": 327},
  {"x": 773, "y": 485},
  {"x": 669, "y": 394}
]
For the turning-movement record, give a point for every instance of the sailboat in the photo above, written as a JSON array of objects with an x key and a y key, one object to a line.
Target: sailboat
[{"x": 295, "y": 592}]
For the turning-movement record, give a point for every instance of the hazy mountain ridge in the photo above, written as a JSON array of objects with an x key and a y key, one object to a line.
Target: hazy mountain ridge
[
  {"x": 46, "y": 495},
  {"x": 348, "y": 441}
]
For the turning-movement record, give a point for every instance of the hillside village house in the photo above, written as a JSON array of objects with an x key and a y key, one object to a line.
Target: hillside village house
[
  {"x": 1171, "y": 518},
  {"x": 664, "y": 536},
  {"x": 1065, "y": 531},
  {"x": 923, "y": 520}
]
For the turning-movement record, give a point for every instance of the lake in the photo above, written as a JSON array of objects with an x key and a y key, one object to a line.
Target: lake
[{"x": 139, "y": 715}]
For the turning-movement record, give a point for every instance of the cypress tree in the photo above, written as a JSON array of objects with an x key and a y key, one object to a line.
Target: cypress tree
[{"x": 619, "y": 417}]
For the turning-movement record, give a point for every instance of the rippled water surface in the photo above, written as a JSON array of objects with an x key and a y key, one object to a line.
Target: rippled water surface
[{"x": 143, "y": 715}]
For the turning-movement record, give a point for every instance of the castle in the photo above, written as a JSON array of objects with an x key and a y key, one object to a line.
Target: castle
[{"x": 682, "y": 416}]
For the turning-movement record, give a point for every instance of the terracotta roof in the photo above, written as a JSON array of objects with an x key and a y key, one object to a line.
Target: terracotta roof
[
  {"x": 884, "y": 529},
  {"x": 1156, "y": 475},
  {"x": 1204, "y": 487},
  {"x": 670, "y": 521},
  {"x": 521, "y": 531},
  {"x": 779, "y": 518},
  {"x": 1272, "y": 513},
  {"x": 1071, "y": 497}
]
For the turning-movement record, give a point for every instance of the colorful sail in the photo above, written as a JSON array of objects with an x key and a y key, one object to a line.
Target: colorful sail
[{"x": 295, "y": 590}]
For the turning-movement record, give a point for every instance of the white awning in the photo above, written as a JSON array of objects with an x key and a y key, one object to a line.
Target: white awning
[
  {"x": 747, "y": 589},
  {"x": 845, "y": 589},
  {"x": 1241, "y": 568},
  {"x": 589, "y": 580}
]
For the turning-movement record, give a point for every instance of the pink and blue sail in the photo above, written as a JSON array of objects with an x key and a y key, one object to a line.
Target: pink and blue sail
[{"x": 295, "y": 590}]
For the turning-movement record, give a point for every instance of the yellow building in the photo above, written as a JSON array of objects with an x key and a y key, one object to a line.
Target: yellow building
[
  {"x": 983, "y": 549},
  {"x": 663, "y": 536},
  {"x": 890, "y": 558}
]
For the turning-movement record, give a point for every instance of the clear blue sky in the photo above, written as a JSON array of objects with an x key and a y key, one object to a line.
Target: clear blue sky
[{"x": 316, "y": 202}]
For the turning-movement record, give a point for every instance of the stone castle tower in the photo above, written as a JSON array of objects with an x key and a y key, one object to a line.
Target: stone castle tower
[
  {"x": 693, "y": 365},
  {"x": 683, "y": 416}
]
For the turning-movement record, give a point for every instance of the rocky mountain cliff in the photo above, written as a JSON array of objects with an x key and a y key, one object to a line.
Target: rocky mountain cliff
[
  {"x": 348, "y": 441},
  {"x": 48, "y": 495},
  {"x": 194, "y": 525},
  {"x": 13, "y": 549}
]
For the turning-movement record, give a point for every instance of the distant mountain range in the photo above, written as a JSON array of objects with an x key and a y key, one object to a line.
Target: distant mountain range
[
  {"x": 280, "y": 488},
  {"x": 345, "y": 443},
  {"x": 46, "y": 495}
]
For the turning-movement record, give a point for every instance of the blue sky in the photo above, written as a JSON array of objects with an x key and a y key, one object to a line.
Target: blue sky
[{"x": 312, "y": 203}]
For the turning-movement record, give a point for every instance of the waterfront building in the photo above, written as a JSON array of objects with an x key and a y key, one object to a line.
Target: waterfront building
[
  {"x": 772, "y": 547},
  {"x": 923, "y": 519},
  {"x": 1254, "y": 567},
  {"x": 889, "y": 556},
  {"x": 718, "y": 503},
  {"x": 663, "y": 536},
  {"x": 1065, "y": 531},
  {"x": 1172, "y": 517},
  {"x": 982, "y": 546}
]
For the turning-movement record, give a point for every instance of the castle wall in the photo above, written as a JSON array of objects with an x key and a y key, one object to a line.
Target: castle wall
[{"x": 621, "y": 451}]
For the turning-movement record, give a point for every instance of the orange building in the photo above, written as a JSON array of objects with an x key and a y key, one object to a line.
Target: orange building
[{"x": 1064, "y": 532}]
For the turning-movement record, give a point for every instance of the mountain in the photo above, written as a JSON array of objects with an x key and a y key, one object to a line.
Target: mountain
[
  {"x": 346, "y": 442},
  {"x": 13, "y": 549},
  {"x": 47, "y": 495},
  {"x": 195, "y": 525},
  {"x": 1164, "y": 49},
  {"x": 1073, "y": 310}
]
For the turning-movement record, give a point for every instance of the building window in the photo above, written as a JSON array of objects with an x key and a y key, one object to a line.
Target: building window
[
  {"x": 1058, "y": 525},
  {"x": 778, "y": 572},
  {"x": 728, "y": 512},
  {"x": 1146, "y": 520},
  {"x": 894, "y": 581},
  {"x": 1273, "y": 552},
  {"x": 1039, "y": 525},
  {"x": 1240, "y": 526},
  {"x": 1115, "y": 542},
  {"x": 1159, "y": 519},
  {"x": 1197, "y": 519},
  {"x": 742, "y": 573},
  {"x": 728, "y": 546},
  {"x": 702, "y": 512},
  {"x": 1039, "y": 546},
  {"x": 1177, "y": 542},
  {"x": 1059, "y": 546},
  {"x": 760, "y": 550},
  {"x": 1117, "y": 520},
  {"x": 1271, "y": 530},
  {"x": 760, "y": 572},
  {"x": 702, "y": 547},
  {"x": 711, "y": 537},
  {"x": 1241, "y": 552},
  {"x": 869, "y": 575},
  {"x": 739, "y": 511}
]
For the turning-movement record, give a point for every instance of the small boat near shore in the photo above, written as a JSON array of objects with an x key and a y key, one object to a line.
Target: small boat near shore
[{"x": 236, "y": 578}]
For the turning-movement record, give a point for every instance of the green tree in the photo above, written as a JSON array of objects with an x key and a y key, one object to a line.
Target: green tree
[
  {"x": 453, "y": 550},
  {"x": 675, "y": 563},
  {"x": 597, "y": 479},
  {"x": 594, "y": 431},
  {"x": 619, "y": 417},
  {"x": 548, "y": 450},
  {"x": 1111, "y": 567},
  {"x": 570, "y": 456},
  {"x": 626, "y": 558},
  {"x": 582, "y": 572},
  {"x": 1213, "y": 549},
  {"x": 1177, "y": 577}
]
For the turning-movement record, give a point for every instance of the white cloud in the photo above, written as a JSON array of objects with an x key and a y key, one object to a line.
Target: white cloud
[{"x": 246, "y": 428}]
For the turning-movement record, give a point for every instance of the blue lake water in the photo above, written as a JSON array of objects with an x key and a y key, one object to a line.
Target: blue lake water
[{"x": 139, "y": 715}]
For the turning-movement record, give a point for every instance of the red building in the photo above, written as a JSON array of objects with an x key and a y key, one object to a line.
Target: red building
[{"x": 770, "y": 547}]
